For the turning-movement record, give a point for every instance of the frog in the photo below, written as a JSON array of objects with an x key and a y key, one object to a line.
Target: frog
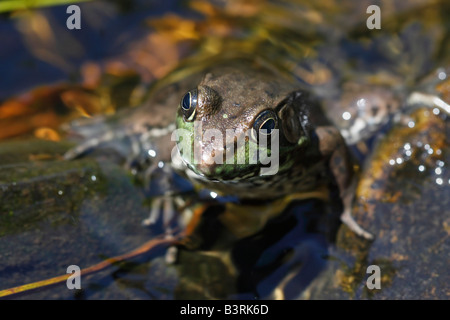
[{"x": 253, "y": 103}]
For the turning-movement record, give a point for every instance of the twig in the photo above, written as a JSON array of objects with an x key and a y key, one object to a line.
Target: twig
[{"x": 145, "y": 248}]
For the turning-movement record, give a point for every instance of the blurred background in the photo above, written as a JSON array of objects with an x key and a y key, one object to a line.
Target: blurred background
[{"x": 124, "y": 46}]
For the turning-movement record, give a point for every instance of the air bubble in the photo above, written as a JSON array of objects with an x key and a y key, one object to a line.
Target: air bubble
[
  {"x": 361, "y": 103},
  {"x": 346, "y": 115},
  {"x": 421, "y": 168}
]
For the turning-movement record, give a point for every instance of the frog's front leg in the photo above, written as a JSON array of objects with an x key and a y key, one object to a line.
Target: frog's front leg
[{"x": 332, "y": 146}]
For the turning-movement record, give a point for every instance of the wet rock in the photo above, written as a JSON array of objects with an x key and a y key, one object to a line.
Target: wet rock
[{"x": 402, "y": 199}]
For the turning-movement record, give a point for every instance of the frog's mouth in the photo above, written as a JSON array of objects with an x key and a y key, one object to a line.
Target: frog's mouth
[
  {"x": 207, "y": 167},
  {"x": 226, "y": 163}
]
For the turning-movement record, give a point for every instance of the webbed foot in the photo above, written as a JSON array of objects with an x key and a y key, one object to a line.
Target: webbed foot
[{"x": 350, "y": 222}]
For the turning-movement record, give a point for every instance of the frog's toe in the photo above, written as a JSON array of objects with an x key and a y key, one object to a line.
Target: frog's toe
[
  {"x": 348, "y": 220},
  {"x": 155, "y": 212},
  {"x": 123, "y": 143},
  {"x": 162, "y": 209},
  {"x": 427, "y": 100},
  {"x": 81, "y": 149}
]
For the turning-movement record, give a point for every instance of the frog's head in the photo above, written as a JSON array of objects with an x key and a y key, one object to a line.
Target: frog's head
[{"x": 232, "y": 116}]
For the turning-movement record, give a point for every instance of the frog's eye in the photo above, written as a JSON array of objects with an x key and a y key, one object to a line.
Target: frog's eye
[
  {"x": 189, "y": 104},
  {"x": 265, "y": 122}
]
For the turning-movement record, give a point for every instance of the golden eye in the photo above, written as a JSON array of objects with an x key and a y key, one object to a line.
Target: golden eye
[
  {"x": 265, "y": 122},
  {"x": 189, "y": 104}
]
